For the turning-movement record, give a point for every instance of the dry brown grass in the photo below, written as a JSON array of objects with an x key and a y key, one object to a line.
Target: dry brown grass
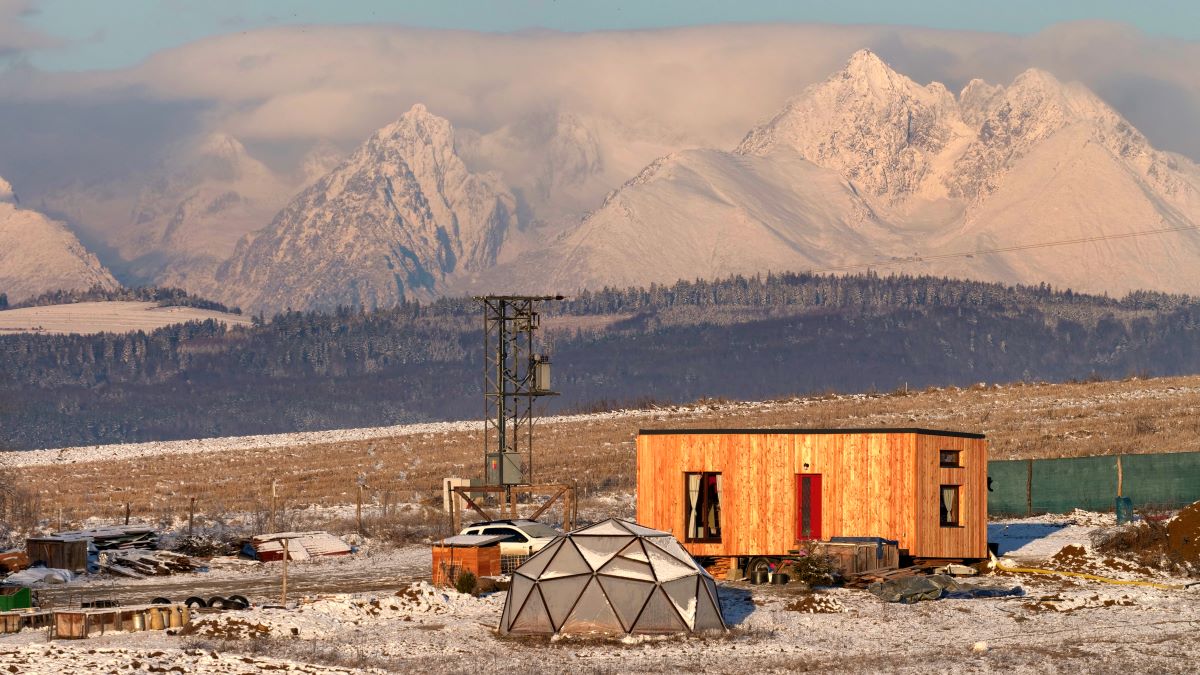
[{"x": 1021, "y": 421}]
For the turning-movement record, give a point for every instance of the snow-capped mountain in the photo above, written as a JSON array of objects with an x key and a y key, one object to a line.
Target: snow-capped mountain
[
  {"x": 869, "y": 167},
  {"x": 393, "y": 221},
  {"x": 39, "y": 254},
  {"x": 174, "y": 226}
]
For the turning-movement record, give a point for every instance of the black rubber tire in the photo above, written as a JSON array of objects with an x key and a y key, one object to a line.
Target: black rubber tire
[
  {"x": 161, "y": 601},
  {"x": 237, "y": 602},
  {"x": 216, "y": 602},
  {"x": 756, "y": 564},
  {"x": 195, "y": 601}
]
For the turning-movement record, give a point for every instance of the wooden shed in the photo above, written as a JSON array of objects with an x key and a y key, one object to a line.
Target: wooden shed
[
  {"x": 478, "y": 554},
  {"x": 763, "y": 492},
  {"x": 64, "y": 553}
]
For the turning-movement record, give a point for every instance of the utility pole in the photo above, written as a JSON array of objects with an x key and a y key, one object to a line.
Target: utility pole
[
  {"x": 283, "y": 593},
  {"x": 514, "y": 376}
]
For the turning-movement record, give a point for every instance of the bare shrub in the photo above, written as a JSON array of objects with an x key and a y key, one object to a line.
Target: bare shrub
[{"x": 814, "y": 570}]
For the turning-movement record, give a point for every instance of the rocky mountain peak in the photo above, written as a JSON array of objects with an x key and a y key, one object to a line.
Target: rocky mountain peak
[
  {"x": 866, "y": 69},
  {"x": 221, "y": 144},
  {"x": 876, "y": 127},
  {"x": 391, "y": 222}
]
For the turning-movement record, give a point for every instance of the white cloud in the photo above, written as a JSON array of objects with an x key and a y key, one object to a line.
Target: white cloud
[
  {"x": 16, "y": 35},
  {"x": 687, "y": 86}
]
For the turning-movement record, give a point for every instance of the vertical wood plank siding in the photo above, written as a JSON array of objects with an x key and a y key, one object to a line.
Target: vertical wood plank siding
[{"x": 874, "y": 484}]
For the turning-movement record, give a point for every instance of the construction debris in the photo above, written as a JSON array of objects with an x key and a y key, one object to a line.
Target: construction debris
[
  {"x": 13, "y": 561},
  {"x": 115, "y": 537},
  {"x": 300, "y": 546},
  {"x": 139, "y": 564},
  {"x": 910, "y": 589}
]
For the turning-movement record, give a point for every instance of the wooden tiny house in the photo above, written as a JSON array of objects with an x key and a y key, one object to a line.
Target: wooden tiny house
[{"x": 761, "y": 492}]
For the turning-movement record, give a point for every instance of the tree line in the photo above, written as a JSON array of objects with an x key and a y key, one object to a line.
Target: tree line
[{"x": 742, "y": 337}]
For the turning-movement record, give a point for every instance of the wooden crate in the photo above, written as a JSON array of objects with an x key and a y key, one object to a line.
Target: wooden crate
[
  {"x": 860, "y": 557},
  {"x": 450, "y": 561},
  {"x": 78, "y": 624},
  {"x": 58, "y": 553}
]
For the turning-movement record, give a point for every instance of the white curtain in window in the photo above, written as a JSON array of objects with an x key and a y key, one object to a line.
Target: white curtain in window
[
  {"x": 716, "y": 511},
  {"x": 949, "y": 496},
  {"x": 693, "y": 481}
]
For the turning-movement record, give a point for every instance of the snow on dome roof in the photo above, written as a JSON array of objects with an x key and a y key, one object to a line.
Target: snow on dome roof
[{"x": 613, "y": 577}]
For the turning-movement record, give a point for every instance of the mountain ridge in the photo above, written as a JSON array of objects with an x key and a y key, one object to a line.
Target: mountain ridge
[{"x": 931, "y": 175}]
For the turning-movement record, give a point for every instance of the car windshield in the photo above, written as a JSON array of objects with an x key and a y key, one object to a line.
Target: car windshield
[{"x": 539, "y": 530}]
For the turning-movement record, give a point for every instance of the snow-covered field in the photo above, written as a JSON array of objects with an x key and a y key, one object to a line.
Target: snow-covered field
[
  {"x": 1059, "y": 625},
  {"x": 118, "y": 316},
  {"x": 127, "y": 451}
]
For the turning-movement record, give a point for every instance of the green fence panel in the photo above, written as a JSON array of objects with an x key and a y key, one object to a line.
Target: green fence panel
[
  {"x": 1169, "y": 479},
  {"x": 1060, "y": 485},
  {"x": 1008, "y": 487}
]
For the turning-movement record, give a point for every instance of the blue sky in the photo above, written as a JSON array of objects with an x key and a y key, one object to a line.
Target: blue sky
[{"x": 95, "y": 34}]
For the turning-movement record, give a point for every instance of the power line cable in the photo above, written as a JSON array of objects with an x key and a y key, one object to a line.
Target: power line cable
[{"x": 893, "y": 262}]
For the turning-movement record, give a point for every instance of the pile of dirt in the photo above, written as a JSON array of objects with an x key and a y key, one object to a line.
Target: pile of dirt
[
  {"x": 816, "y": 603},
  {"x": 1059, "y": 603},
  {"x": 1183, "y": 537},
  {"x": 226, "y": 628}
]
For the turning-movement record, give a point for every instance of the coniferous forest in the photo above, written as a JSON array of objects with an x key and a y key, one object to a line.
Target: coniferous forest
[{"x": 739, "y": 338}]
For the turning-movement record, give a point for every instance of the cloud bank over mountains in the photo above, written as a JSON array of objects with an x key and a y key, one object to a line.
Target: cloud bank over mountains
[{"x": 283, "y": 90}]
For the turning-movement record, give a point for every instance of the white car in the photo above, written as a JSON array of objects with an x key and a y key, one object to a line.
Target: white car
[{"x": 524, "y": 537}]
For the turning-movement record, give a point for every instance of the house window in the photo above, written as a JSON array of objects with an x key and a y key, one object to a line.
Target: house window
[
  {"x": 950, "y": 459},
  {"x": 948, "y": 506},
  {"x": 702, "y": 514}
]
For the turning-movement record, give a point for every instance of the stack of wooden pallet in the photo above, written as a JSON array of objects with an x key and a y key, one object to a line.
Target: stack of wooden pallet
[
  {"x": 116, "y": 537},
  {"x": 718, "y": 568},
  {"x": 139, "y": 564},
  {"x": 867, "y": 578}
]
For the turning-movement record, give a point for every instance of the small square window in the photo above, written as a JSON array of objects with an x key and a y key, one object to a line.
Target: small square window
[
  {"x": 950, "y": 459},
  {"x": 948, "y": 506}
]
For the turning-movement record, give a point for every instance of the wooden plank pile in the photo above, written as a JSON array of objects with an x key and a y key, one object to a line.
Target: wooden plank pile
[
  {"x": 116, "y": 537},
  {"x": 300, "y": 545},
  {"x": 139, "y": 564},
  {"x": 867, "y": 578},
  {"x": 719, "y": 567}
]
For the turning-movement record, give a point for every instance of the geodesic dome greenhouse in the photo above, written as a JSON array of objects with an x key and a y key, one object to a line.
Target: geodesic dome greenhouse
[{"x": 613, "y": 577}]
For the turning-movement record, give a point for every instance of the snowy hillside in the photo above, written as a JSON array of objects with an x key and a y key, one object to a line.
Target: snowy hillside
[
  {"x": 869, "y": 168},
  {"x": 391, "y": 222},
  {"x": 39, "y": 254},
  {"x": 174, "y": 226}
]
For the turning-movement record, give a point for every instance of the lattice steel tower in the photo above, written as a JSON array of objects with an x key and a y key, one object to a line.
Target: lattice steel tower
[{"x": 514, "y": 375}]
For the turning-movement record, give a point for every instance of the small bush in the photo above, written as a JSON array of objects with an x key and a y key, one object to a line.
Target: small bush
[
  {"x": 814, "y": 570},
  {"x": 465, "y": 583}
]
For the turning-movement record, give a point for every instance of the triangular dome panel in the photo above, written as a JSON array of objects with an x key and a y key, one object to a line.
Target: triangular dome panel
[
  {"x": 635, "y": 551},
  {"x": 537, "y": 562},
  {"x": 707, "y": 615},
  {"x": 672, "y": 547},
  {"x": 682, "y": 594},
  {"x": 593, "y": 613},
  {"x": 566, "y": 562},
  {"x": 598, "y": 550},
  {"x": 533, "y": 617},
  {"x": 643, "y": 531},
  {"x": 561, "y": 595},
  {"x": 629, "y": 569},
  {"x": 611, "y": 526},
  {"x": 667, "y": 567},
  {"x": 659, "y": 616},
  {"x": 627, "y": 597}
]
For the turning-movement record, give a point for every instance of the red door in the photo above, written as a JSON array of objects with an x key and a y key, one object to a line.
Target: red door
[{"x": 808, "y": 506}]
